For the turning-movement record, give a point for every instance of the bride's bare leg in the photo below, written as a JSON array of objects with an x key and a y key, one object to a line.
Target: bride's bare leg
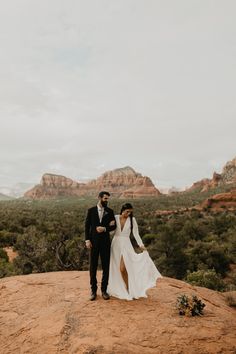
[{"x": 124, "y": 273}]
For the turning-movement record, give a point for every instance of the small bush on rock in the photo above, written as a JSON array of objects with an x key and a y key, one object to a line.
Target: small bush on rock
[{"x": 189, "y": 306}]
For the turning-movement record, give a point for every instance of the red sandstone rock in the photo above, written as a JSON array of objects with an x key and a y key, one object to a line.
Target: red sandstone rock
[
  {"x": 122, "y": 182},
  {"x": 53, "y": 186},
  {"x": 50, "y": 313},
  {"x": 203, "y": 185},
  {"x": 227, "y": 176},
  {"x": 143, "y": 187},
  {"x": 221, "y": 201},
  {"x": 50, "y": 180},
  {"x": 229, "y": 172}
]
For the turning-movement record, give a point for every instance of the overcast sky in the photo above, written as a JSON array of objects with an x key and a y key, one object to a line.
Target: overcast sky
[{"x": 89, "y": 86}]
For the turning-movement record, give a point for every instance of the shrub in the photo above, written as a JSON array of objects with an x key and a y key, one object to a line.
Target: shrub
[
  {"x": 211, "y": 253},
  {"x": 6, "y": 268},
  {"x": 206, "y": 278},
  {"x": 189, "y": 307},
  {"x": 3, "y": 255},
  {"x": 149, "y": 238}
]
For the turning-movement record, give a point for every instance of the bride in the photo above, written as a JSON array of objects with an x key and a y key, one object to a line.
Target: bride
[{"x": 131, "y": 273}]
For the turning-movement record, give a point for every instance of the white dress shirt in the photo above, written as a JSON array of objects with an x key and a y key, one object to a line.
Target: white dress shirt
[{"x": 100, "y": 212}]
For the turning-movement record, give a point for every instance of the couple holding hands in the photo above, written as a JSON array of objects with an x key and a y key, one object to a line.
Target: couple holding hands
[{"x": 126, "y": 274}]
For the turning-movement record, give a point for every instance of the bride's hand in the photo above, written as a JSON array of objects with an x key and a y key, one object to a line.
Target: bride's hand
[
  {"x": 112, "y": 223},
  {"x": 143, "y": 248}
]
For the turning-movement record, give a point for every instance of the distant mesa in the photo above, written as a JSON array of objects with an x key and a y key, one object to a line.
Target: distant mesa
[
  {"x": 227, "y": 176},
  {"x": 53, "y": 186},
  {"x": 125, "y": 183},
  {"x": 121, "y": 183}
]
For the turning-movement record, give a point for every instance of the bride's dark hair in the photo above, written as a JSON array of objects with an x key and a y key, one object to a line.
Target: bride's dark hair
[{"x": 125, "y": 207}]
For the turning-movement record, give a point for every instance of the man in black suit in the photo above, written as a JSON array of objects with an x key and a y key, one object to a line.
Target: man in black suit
[{"x": 99, "y": 222}]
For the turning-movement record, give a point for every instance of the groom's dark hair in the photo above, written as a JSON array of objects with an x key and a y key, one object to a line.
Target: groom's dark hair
[{"x": 102, "y": 193}]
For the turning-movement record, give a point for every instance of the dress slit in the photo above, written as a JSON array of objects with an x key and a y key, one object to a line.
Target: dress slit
[{"x": 124, "y": 274}]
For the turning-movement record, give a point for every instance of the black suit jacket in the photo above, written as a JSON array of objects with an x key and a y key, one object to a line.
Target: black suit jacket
[{"x": 92, "y": 221}]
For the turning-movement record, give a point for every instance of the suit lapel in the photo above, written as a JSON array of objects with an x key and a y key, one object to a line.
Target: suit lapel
[
  {"x": 105, "y": 213},
  {"x": 96, "y": 213}
]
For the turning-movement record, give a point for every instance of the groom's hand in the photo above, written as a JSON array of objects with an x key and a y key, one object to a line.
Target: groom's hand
[
  {"x": 88, "y": 244},
  {"x": 100, "y": 229}
]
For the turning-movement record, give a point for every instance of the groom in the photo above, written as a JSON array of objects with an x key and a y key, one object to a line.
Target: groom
[{"x": 99, "y": 222}]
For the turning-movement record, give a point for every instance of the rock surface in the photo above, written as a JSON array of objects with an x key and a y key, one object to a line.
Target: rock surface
[
  {"x": 227, "y": 176},
  {"x": 125, "y": 182},
  {"x": 53, "y": 186},
  {"x": 229, "y": 172},
  {"x": 221, "y": 201},
  {"x": 121, "y": 183},
  {"x": 50, "y": 313}
]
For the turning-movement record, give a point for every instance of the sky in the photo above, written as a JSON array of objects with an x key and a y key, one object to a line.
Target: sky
[{"x": 93, "y": 85}]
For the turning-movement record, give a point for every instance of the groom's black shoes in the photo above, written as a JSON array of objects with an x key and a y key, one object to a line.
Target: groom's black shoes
[
  {"x": 93, "y": 296},
  {"x": 105, "y": 295}
]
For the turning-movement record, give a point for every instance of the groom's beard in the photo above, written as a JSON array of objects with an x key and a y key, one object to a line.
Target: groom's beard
[{"x": 104, "y": 203}]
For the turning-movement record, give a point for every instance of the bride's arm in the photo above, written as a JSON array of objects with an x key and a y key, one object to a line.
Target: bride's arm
[{"x": 136, "y": 233}]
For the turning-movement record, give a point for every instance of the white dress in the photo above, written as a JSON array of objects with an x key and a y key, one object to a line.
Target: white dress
[{"x": 142, "y": 272}]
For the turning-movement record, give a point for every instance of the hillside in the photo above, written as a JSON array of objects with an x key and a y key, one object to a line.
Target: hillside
[
  {"x": 5, "y": 197},
  {"x": 50, "y": 313}
]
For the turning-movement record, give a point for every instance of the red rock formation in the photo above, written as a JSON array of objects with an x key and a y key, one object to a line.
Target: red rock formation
[
  {"x": 202, "y": 185},
  {"x": 143, "y": 188},
  {"x": 227, "y": 176},
  {"x": 122, "y": 182},
  {"x": 229, "y": 172},
  {"x": 221, "y": 201},
  {"x": 54, "y": 186},
  {"x": 51, "y": 181},
  {"x": 50, "y": 313},
  {"x": 217, "y": 202},
  {"x": 125, "y": 182},
  {"x": 214, "y": 182}
]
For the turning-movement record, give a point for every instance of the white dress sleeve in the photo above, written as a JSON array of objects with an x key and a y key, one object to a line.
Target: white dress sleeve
[{"x": 136, "y": 233}]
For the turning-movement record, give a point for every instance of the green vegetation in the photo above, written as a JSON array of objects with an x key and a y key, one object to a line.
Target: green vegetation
[
  {"x": 207, "y": 278},
  {"x": 198, "y": 247}
]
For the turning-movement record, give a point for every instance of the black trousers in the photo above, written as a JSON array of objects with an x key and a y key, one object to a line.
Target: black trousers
[{"x": 101, "y": 247}]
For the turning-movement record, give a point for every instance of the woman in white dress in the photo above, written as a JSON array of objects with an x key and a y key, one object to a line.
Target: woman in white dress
[{"x": 131, "y": 273}]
